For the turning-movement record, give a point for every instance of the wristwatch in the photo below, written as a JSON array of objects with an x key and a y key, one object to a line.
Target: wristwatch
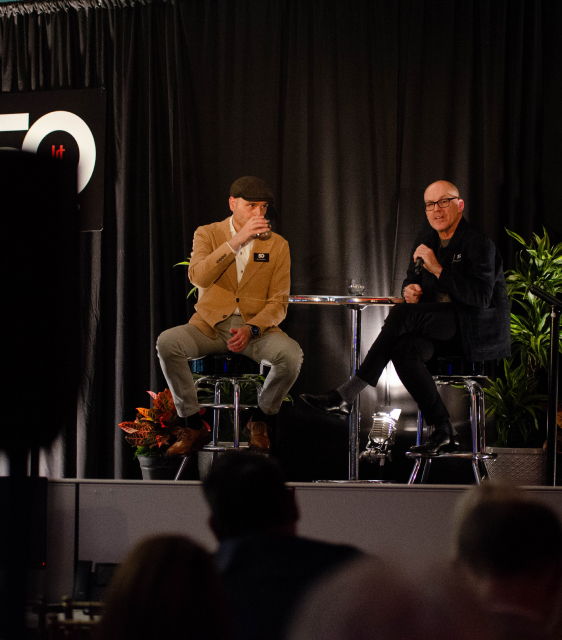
[{"x": 255, "y": 331}]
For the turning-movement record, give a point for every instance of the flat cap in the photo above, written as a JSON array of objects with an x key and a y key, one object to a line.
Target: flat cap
[{"x": 251, "y": 188}]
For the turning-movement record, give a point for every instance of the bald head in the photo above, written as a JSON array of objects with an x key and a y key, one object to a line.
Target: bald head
[
  {"x": 443, "y": 185},
  {"x": 445, "y": 207}
]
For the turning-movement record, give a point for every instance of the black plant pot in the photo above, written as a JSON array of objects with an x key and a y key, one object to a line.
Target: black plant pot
[{"x": 155, "y": 468}]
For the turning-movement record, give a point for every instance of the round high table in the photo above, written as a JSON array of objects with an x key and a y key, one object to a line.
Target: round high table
[{"x": 356, "y": 304}]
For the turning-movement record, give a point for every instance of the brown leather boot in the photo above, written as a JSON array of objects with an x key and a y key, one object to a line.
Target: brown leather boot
[
  {"x": 190, "y": 440},
  {"x": 259, "y": 440}
]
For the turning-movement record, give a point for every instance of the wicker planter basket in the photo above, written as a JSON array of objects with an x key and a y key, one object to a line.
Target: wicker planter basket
[{"x": 525, "y": 467}]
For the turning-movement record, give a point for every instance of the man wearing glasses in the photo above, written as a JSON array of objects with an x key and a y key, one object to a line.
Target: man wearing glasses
[{"x": 455, "y": 300}]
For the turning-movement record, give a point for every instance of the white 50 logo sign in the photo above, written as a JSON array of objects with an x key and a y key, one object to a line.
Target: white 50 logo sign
[{"x": 56, "y": 121}]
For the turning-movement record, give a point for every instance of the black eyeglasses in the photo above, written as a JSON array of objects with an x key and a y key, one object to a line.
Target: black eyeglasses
[{"x": 443, "y": 203}]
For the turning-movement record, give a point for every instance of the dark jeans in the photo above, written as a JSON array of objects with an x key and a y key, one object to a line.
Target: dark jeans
[{"x": 411, "y": 335}]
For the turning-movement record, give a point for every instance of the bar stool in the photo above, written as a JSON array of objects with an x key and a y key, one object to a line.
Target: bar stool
[
  {"x": 456, "y": 371},
  {"x": 216, "y": 370}
]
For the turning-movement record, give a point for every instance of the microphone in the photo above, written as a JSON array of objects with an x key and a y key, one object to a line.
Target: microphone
[{"x": 419, "y": 265}]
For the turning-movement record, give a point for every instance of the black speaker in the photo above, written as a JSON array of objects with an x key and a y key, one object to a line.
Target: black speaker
[
  {"x": 101, "y": 579},
  {"x": 82, "y": 581},
  {"x": 40, "y": 311},
  {"x": 23, "y": 511}
]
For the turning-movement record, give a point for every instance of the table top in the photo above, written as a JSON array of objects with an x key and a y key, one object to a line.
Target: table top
[{"x": 344, "y": 300}]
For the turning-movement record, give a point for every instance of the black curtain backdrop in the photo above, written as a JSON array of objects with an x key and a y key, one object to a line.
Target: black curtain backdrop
[{"x": 347, "y": 109}]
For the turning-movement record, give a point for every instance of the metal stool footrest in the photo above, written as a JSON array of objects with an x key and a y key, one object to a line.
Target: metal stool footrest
[
  {"x": 224, "y": 446},
  {"x": 218, "y": 382},
  {"x": 454, "y": 454},
  {"x": 477, "y": 427},
  {"x": 210, "y": 405},
  {"x": 217, "y": 405}
]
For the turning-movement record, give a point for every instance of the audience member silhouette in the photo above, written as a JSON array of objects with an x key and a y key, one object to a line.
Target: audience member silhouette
[
  {"x": 371, "y": 600},
  {"x": 510, "y": 550},
  {"x": 166, "y": 589},
  {"x": 265, "y": 566}
]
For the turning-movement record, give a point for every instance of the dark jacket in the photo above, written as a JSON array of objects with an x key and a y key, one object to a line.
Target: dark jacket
[
  {"x": 473, "y": 278},
  {"x": 266, "y": 576}
]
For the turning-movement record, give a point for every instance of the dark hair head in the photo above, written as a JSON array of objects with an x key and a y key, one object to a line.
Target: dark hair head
[
  {"x": 247, "y": 492},
  {"x": 252, "y": 189},
  {"x": 508, "y": 536},
  {"x": 167, "y": 587}
]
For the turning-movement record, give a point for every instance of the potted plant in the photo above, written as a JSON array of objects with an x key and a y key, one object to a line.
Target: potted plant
[
  {"x": 155, "y": 430},
  {"x": 515, "y": 398},
  {"x": 152, "y": 433}
]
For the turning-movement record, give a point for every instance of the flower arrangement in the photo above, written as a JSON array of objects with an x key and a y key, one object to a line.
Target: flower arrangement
[{"x": 155, "y": 429}]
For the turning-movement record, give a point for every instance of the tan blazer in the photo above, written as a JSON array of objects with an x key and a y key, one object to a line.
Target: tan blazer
[{"x": 263, "y": 293}]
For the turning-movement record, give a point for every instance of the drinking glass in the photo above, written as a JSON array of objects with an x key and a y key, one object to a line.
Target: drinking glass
[{"x": 355, "y": 287}]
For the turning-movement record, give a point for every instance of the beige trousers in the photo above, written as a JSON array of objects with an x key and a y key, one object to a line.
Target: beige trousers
[{"x": 178, "y": 345}]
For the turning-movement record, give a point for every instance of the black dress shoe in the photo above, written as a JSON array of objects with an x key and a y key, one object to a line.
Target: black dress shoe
[
  {"x": 330, "y": 403},
  {"x": 440, "y": 441}
]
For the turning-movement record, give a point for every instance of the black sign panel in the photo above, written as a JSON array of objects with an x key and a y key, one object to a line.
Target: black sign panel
[{"x": 62, "y": 124}]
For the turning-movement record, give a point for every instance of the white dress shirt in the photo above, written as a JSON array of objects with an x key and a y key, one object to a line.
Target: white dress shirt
[{"x": 242, "y": 257}]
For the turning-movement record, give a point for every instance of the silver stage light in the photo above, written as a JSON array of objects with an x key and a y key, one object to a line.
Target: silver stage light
[{"x": 381, "y": 437}]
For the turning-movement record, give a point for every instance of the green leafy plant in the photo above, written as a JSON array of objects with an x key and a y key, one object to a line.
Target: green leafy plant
[
  {"x": 538, "y": 264},
  {"x": 514, "y": 398},
  {"x": 514, "y": 401},
  {"x": 194, "y": 291}
]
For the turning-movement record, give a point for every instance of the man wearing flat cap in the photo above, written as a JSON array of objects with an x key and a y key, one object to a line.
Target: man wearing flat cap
[{"x": 242, "y": 271}]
